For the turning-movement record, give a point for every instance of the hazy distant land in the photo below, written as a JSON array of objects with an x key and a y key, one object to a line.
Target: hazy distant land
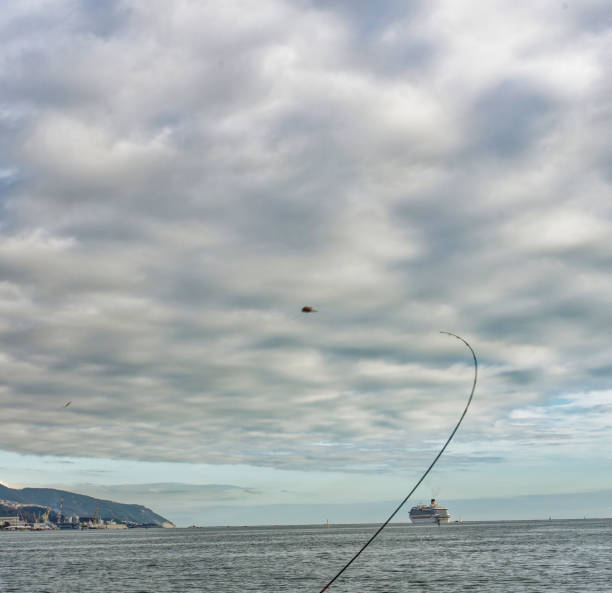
[{"x": 80, "y": 505}]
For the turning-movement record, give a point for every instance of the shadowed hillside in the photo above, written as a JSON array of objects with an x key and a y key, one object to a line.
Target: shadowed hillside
[{"x": 84, "y": 506}]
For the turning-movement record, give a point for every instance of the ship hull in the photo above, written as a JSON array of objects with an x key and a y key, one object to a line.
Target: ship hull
[{"x": 429, "y": 520}]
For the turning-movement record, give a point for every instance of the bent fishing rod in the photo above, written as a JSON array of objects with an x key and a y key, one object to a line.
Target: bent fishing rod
[{"x": 450, "y": 438}]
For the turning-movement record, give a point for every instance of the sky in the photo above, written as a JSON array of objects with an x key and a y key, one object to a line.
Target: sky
[{"x": 178, "y": 179}]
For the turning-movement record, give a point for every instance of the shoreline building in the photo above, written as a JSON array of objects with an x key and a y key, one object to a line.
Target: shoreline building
[{"x": 12, "y": 522}]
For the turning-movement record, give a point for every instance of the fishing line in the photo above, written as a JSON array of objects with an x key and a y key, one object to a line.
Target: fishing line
[{"x": 452, "y": 434}]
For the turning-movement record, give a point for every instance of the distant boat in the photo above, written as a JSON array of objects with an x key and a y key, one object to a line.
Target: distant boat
[{"x": 431, "y": 513}]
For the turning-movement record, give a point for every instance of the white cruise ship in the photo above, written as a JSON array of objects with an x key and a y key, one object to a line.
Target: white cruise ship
[{"x": 429, "y": 513}]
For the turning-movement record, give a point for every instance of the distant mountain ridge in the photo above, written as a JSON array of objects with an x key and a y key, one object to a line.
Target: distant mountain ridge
[{"x": 83, "y": 506}]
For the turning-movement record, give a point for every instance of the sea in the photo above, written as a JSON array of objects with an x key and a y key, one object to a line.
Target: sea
[{"x": 559, "y": 556}]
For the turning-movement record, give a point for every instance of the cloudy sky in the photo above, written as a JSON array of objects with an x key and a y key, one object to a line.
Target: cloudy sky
[{"x": 178, "y": 179}]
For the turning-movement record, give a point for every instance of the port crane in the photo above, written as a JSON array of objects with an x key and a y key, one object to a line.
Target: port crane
[{"x": 61, "y": 508}]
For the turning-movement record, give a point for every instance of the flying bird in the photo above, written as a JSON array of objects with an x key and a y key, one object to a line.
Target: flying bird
[
  {"x": 308, "y": 310},
  {"x": 67, "y": 404}
]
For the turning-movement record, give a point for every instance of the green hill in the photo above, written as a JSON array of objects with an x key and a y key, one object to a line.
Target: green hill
[{"x": 83, "y": 506}]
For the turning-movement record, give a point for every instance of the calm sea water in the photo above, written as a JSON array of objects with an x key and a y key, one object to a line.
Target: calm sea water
[{"x": 508, "y": 557}]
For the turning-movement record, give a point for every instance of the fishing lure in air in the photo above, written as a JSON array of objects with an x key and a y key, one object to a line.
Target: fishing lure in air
[{"x": 452, "y": 434}]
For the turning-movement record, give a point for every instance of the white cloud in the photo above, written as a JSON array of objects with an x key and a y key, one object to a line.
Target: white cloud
[{"x": 178, "y": 180}]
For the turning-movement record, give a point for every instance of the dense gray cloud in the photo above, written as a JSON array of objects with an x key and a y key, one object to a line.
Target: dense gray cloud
[
  {"x": 183, "y": 495},
  {"x": 176, "y": 181}
]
